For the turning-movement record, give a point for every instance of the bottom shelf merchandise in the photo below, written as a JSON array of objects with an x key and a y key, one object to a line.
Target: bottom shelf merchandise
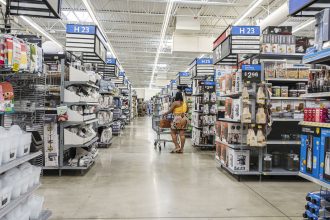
[
  {"x": 116, "y": 127},
  {"x": 31, "y": 209},
  {"x": 82, "y": 157},
  {"x": 317, "y": 206}
]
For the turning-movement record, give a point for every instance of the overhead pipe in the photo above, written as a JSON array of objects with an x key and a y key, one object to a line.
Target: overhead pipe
[{"x": 276, "y": 18}]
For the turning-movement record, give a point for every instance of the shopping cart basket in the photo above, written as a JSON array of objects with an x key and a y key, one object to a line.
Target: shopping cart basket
[{"x": 159, "y": 131}]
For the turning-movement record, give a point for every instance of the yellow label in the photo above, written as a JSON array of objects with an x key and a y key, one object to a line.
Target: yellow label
[
  {"x": 322, "y": 165},
  {"x": 16, "y": 67}
]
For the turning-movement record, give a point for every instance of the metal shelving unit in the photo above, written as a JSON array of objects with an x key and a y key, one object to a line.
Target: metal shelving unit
[
  {"x": 282, "y": 142},
  {"x": 87, "y": 144},
  {"x": 44, "y": 215},
  {"x": 16, "y": 202},
  {"x": 19, "y": 161},
  {"x": 314, "y": 180}
]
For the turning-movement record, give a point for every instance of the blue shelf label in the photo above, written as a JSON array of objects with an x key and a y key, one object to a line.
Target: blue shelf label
[
  {"x": 204, "y": 61},
  {"x": 80, "y": 29},
  {"x": 251, "y": 73},
  {"x": 188, "y": 89},
  {"x": 245, "y": 30},
  {"x": 251, "y": 67},
  {"x": 209, "y": 83},
  {"x": 111, "y": 61}
]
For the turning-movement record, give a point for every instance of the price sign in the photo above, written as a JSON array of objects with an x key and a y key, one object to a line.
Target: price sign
[
  {"x": 188, "y": 91},
  {"x": 245, "y": 30},
  {"x": 80, "y": 29},
  {"x": 251, "y": 73}
]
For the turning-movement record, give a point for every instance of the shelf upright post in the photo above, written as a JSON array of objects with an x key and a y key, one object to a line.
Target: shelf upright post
[{"x": 61, "y": 144}]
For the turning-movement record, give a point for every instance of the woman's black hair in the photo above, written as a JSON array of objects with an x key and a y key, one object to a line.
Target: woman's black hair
[{"x": 178, "y": 97}]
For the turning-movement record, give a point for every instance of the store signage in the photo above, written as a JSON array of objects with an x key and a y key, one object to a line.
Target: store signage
[
  {"x": 80, "y": 29},
  {"x": 245, "y": 30},
  {"x": 121, "y": 73},
  {"x": 173, "y": 81},
  {"x": 111, "y": 61},
  {"x": 297, "y": 5},
  {"x": 225, "y": 48},
  {"x": 251, "y": 73},
  {"x": 221, "y": 38},
  {"x": 184, "y": 74},
  {"x": 188, "y": 91},
  {"x": 204, "y": 61},
  {"x": 209, "y": 83}
]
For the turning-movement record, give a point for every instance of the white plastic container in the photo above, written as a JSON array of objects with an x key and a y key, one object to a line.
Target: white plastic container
[
  {"x": 5, "y": 193},
  {"x": 35, "y": 206},
  {"x": 13, "y": 179},
  {"x": 15, "y": 133},
  {"x": 24, "y": 144},
  {"x": 26, "y": 175},
  {"x": 36, "y": 175},
  {"x": 25, "y": 212}
]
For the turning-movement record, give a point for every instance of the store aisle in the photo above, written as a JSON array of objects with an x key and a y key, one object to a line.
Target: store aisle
[{"x": 133, "y": 181}]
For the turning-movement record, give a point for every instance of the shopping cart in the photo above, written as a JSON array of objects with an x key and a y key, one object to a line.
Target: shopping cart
[{"x": 159, "y": 131}]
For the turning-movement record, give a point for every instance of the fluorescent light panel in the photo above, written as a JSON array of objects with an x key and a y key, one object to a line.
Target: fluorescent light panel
[
  {"x": 302, "y": 26},
  {"x": 254, "y": 5},
  {"x": 40, "y": 30},
  {"x": 162, "y": 36}
]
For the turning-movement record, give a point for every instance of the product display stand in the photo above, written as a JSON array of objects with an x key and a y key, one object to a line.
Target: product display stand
[
  {"x": 76, "y": 112},
  {"x": 27, "y": 87},
  {"x": 204, "y": 103}
]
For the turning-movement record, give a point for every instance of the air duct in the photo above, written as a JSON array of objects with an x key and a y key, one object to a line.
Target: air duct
[{"x": 276, "y": 18}]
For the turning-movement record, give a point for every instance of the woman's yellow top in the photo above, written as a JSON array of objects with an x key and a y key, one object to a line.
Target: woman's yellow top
[{"x": 182, "y": 109}]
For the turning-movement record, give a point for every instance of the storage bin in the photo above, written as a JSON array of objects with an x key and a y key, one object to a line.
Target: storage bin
[
  {"x": 36, "y": 175},
  {"x": 24, "y": 145},
  {"x": 25, "y": 212},
  {"x": 35, "y": 206},
  {"x": 27, "y": 176},
  {"x": 12, "y": 178},
  {"x": 5, "y": 193}
]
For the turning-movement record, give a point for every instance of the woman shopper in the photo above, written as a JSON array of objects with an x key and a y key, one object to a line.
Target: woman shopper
[{"x": 179, "y": 108}]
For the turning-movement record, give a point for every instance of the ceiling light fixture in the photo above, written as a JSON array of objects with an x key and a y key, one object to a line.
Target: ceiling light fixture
[
  {"x": 253, "y": 6},
  {"x": 167, "y": 16},
  {"x": 302, "y": 26},
  {"x": 92, "y": 15},
  {"x": 40, "y": 30}
]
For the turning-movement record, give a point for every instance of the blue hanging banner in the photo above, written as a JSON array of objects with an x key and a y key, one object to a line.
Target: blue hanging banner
[
  {"x": 80, "y": 29},
  {"x": 111, "y": 61},
  {"x": 184, "y": 74},
  {"x": 245, "y": 30},
  {"x": 204, "y": 61},
  {"x": 297, "y": 5}
]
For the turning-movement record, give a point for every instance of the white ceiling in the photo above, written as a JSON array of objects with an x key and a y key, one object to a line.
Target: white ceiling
[{"x": 134, "y": 27}]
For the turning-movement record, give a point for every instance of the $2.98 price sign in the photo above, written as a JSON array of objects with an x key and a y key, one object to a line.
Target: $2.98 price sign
[{"x": 251, "y": 73}]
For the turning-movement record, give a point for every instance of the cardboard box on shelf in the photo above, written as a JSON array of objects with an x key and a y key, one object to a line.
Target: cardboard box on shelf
[
  {"x": 238, "y": 160},
  {"x": 325, "y": 155}
]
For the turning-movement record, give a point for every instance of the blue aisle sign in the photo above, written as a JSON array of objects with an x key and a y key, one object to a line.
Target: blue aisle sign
[
  {"x": 245, "y": 30},
  {"x": 251, "y": 73},
  {"x": 111, "y": 61},
  {"x": 209, "y": 83},
  {"x": 204, "y": 61},
  {"x": 188, "y": 91},
  {"x": 80, "y": 29},
  {"x": 296, "y": 5},
  {"x": 184, "y": 74}
]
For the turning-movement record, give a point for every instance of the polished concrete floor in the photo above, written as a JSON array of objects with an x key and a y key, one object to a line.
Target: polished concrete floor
[{"x": 131, "y": 180}]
